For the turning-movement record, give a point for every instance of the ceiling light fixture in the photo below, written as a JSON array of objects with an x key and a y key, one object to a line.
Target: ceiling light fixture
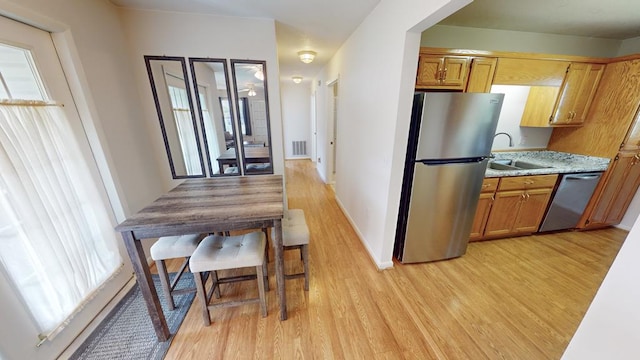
[
  {"x": 306, "y": 56},
  {"x": 296, "y": 79},
  {"x": 259, "y": 75},
  {"x": 251, "y": 92}
]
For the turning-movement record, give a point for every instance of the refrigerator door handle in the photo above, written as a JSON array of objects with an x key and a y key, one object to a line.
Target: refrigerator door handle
[
  {"x": 435, "y": 162},
  {"x": 582, "y": 177}
]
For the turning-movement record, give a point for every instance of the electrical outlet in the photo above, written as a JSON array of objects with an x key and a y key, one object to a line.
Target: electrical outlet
[{"x": 523, "y": 140}]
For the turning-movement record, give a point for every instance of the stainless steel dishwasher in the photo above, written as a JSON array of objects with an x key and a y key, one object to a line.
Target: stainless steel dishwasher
[{"x": 570, "y": 200}]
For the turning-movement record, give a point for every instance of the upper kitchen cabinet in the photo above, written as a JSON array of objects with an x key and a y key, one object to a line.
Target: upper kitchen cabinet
[
  {"x": 530, "y": 72},
  {"x": 632, "y": 140},
  {"x": 576, "y": 93},
  {"x": 611, "y": 115},
  {"x": 557, "y": 97},
  {"x": 481, "y": 74},
  {"x": 442, "y": 72}
]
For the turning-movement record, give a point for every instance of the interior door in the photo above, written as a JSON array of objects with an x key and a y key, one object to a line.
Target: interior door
[{"x": 19, "y": 340}]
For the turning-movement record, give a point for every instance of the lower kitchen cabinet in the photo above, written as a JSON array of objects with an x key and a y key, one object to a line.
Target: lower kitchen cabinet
[
  {"x": 619, "y": 188},
  {"x": 489, "y": 186},
  {"x": 517, "y": 207}
]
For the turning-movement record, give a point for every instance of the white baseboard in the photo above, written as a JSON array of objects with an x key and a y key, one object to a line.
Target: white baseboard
[
  {"x": 381, "y": 266},
  {"x": 623, "y": 227},
  {"x": 307, "y": 157}
]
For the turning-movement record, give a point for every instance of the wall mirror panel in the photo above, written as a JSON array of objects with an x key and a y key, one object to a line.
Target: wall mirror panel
[
  {"x": 172, "y": 97},
  {"x": 212, "y": 92},
  {"x": 252, "y": 107}
]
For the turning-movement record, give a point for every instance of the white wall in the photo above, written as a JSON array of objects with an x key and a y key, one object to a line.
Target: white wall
[
  {"x": 296, "y": 116},
  {"x": 90, "y": 42},
  {"x": 201, "y": 35},
  {"x": 376, "y": 67},
  {"x": 515, "y": 98},
  {"x": 629, "y": 46},
  {"x": 611, "y": 327},
  {"x": 519, "y": 41}
]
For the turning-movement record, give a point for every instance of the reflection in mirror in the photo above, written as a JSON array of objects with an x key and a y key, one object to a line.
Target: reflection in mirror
[
  {"x": 212, "y": 99},
  {"x": 168, "y": 77},
  {"x": 250, "y": 82}
]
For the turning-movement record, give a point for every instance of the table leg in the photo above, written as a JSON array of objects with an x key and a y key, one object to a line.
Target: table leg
[
  {"x": 221, "y": 167},
  {"x": 279, "y": 250},
  {"x": 145, "y": 282}
]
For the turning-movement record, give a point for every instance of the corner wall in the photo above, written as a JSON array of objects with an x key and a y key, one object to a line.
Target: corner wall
[
  {"x": 376, "y": 69},
  {"x": 296, "y": 116}
]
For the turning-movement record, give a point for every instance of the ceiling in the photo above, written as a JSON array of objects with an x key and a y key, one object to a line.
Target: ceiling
[
  {"x": 318, "y": 25},
  {"x": 323, "y": 25},
  {"x": 612, "y": 19}
]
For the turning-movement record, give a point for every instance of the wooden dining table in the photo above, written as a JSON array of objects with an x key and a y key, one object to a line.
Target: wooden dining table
[{"x": 203, "y": 206}]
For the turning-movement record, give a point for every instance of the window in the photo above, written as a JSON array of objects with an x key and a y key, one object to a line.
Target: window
[
  {"x": 185, "y": 129},
  {"x": 58, "y": 243}
]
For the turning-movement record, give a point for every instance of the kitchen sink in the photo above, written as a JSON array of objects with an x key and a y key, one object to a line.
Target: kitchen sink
[{"x": 509, "y": 164}]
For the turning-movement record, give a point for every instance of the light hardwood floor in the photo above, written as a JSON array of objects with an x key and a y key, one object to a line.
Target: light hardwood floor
[{"x": 519, "y": 298}]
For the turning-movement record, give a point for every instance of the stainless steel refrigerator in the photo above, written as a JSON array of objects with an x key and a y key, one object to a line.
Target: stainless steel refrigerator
[{"x": 450, "y": 140}]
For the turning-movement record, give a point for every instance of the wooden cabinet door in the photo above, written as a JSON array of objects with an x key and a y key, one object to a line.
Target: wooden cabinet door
[
  {"x": 576, "y": 93},
  {"x": 482, "y": 214},
  {"x": 632, "y": 140},
  {"x": 442, "y": 72},
  {"x": 622, "y": 184},
  {"x": 481, "y": 74},
  {"x": 455, "y": 72},
  {"x": 503, "y": 212},
  {"x": 532, "y": 209},
  {"x": 568, "y": 93},
  {"x": 539, "y": 106},
  {"x": 429, "y": 71},
  {"x": 587, "y": 92}
]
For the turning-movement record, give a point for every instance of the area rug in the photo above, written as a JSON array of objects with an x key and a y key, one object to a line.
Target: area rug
[{"x": 127, "y": 332}]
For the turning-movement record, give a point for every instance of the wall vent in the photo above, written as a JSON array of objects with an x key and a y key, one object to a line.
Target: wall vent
[{"x": 299, "y": 148}]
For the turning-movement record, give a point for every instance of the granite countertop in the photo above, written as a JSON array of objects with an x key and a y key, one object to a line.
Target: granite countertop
[{"x": 555, "y": 163}]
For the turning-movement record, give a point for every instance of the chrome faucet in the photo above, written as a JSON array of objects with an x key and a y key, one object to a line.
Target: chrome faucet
[{"x": 509, "y": 136}]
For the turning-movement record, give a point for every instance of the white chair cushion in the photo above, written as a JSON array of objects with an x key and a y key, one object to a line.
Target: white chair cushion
[
  {"x": 217, "y": 252},
  {"x": 294, "y": 217},
  {"x": 171, "y": 247},
  {"x": 292, "y": 235}
]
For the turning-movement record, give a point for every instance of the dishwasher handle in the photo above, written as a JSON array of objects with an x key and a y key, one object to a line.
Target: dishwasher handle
[{"x": 582, "y": 177}]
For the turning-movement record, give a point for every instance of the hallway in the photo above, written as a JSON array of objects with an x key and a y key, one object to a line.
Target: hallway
[{"x": 519, "y": 298}]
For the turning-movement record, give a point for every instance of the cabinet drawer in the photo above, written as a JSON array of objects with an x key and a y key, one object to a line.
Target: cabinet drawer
[
  {"x": 527, "y": 182},
  {"x": 490, "y": 184}
]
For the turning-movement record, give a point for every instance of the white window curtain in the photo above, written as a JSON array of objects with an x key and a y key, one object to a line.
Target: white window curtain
[
  {"x": 209, "y": 127},
  {"x": 184, "y": 124},
  {"x": 57, "y": 242}
]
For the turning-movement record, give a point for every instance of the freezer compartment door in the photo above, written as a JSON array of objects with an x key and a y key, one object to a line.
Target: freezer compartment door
[
  {"x": 457, "y": 125},
  {"x": 442, "y": 205}
]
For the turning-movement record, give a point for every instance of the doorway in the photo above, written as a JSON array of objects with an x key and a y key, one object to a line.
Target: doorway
[{"x": 333, "y": 137}]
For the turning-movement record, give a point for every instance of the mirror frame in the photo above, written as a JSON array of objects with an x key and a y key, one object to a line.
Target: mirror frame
[
  {"x": 263, "y": 63},
  {"x": 192, "y": 62},
  {"x": 154, "y": 90}
]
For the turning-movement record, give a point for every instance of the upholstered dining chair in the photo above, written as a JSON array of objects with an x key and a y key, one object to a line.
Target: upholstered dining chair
[
  {"x": 295, "y": 235},
  {"x": 173, "y": 247},
  {"x": 217, "y": 252}
]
